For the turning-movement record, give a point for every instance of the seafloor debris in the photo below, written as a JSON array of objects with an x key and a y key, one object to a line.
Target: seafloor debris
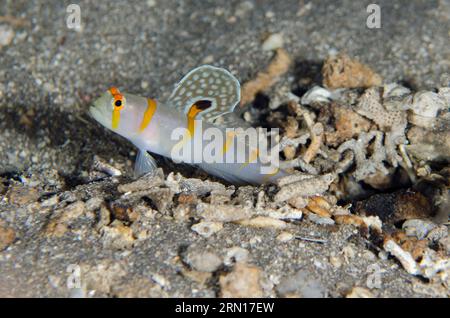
[
  {"x": 301, "y": 284},
  {"x": 306, "y": 186},
  {"x": 264, "y": 80},
  {"x": 273, "y": 42},
  {"x": 243, "y": 281},
  {"x": 6, "y": 35},
  {"x": 203, "y": 261},
  {"x": 396, "y": 206},
  {"x": 206, "y": 229},
  {"x": 341, "y": 71},
  {"x": 360, "y": 292},
  {"x": 376, "y": 159},
  {"x": 7, "y": 236}
]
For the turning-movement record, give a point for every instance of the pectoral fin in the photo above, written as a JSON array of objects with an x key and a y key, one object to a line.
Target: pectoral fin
[{"x": 144, "y": 164}]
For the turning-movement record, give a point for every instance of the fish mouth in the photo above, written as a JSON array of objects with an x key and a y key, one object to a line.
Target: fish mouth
[{"x": 97, "y": 114}]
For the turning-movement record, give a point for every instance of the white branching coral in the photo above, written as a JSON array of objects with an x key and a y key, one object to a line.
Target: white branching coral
[
  {"x": 375, "y": 132},
  {"x": 366, "y": 166}
]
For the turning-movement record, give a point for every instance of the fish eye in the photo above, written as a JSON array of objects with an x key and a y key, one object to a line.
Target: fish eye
[{"x": 118, "y": 103}]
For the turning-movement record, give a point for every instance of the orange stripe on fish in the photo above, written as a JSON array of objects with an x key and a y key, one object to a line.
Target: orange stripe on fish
[
  {"x": 148, "y": 114},
  {"x": 228, "y": 141},
  {"x": 253, "y": 156},
  {"x": 118, "y": 103},
  {"x": 198, "y": 107}
]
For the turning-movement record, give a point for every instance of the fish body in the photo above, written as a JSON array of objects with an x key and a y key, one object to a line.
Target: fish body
[{"x": 185, "y": 128}]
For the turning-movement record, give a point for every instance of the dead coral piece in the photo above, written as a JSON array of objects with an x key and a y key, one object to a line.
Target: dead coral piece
[
  {"x": 366, "y": 167},
  {"x": 144, "y": 183},
  {"x": 370, "y": 105},
  {"x": 102, "y": 166},
  {"x": 341, "y": 71},
  {"x": 177, "y": 183},
  {"x": 404, "y": 257},
  {"x": 263, "y": 222},
  {"x": 364, "y": 223},
  {"x": 348, "y": 124},
  {"x": 264, "y": 80},
  {"x": 431, "y": 265},
  {"x": 429, "y": 145},
  {"x": 161, "y": 198},
  {"x": 283, "y": 213},
  {"x": 319, "y": 206},
  {"x": 435, "y": 267},
  {"x": 437, "y": 233},
  {"x": 298, "y": 202},
  {"x": 418, "y": 228},
  {"x": 426, "y": 104},
  {"x": 222, "y": 213},
  {"x": 63, "y": 218},
  {"x": 298, "y": 163},
  {"x": 315, "y": 185},
  {"x": 243, "y": 282},
  {"x": 117, "y": 236},
  {"x": 316, "y": 133},
  {"x": 391, "y": 121}
]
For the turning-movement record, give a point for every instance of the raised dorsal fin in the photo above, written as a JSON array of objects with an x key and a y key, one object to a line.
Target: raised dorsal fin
[{"x": 215, "y": 89}]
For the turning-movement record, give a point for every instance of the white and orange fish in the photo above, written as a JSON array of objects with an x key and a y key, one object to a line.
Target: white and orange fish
[{"x": 202, "y": 101}]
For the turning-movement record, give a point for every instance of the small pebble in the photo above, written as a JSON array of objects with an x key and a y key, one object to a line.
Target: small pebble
[
  {"x": 144, "y": 84},
  {"x": 236, "y": 254},
  {"x": 263, "y": 222},
  {"x": 204, "y": 261},
  {"x": 285, "y": 237},
  {"x": 6, "y": 35},
  {"x": 206, "y": 229},
  {"x": 270, "y": 14},
  {"x": 208, "y": 59},
  {"x": 151, "y": 3},
  {"x": 335, "y": 261},
  {"x": 273, "y": 42},
  {"x": 320, "y": 220}
]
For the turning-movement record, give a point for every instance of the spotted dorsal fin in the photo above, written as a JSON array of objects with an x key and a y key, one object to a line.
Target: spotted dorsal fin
[{"x": 215, "y": 89}]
